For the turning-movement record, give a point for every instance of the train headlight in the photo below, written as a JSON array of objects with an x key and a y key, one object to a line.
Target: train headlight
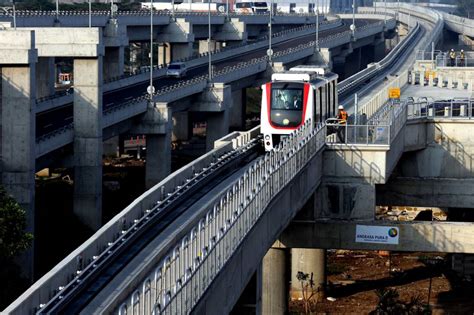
[
  {"x": 286, "y": 122},
  {"x": 267, "y": 137}
]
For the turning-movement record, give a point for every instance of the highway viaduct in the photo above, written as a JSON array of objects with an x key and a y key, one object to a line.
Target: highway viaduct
[{"x": 97, "y": 118}]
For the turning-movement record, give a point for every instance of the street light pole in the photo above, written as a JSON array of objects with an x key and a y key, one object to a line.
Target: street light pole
[
  {"x": 172, "y": 10},
  {"x": 57, "y": 10},
  {"x": 353, "y": 17},
  {"x": 90, "y": 13},
  {"x": 316, "y": 46},
  {"x": 209, "y": 39},
  {"x": 270, "y": 33},
  {"x": 385, "y": 12},
  {"x": 151, "y": 88}
]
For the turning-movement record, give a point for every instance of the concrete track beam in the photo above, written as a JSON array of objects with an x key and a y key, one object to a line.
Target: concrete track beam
[{"x": 414, "y": 236}]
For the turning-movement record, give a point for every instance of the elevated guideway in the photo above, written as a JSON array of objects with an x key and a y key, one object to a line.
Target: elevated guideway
[{"x": 224, "y": 241}]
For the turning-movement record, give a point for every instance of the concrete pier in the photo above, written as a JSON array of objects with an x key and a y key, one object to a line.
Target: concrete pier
[
  {"x": 238, "y": 109},
  {"x": 312, "y": 262},
  {"x": 45, "y": 77},
  {"x": 114, "y": 62},
  {"x": 157, "y": 125},
  {"x": 18, "y": 58},
  {"x": 158, "y": 158},
  {"x": 88, "y": 141},
  {"x": 274, "y": 285}
]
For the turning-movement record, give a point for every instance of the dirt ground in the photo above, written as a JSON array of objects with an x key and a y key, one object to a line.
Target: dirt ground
[{"x": 354, "y": 277}]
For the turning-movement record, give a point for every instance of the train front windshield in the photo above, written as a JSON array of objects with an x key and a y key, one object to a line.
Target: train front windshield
[{"x": 286, "y": 109}]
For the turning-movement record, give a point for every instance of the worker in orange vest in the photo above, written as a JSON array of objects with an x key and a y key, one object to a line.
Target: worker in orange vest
[{"x": 342, "y": 120}]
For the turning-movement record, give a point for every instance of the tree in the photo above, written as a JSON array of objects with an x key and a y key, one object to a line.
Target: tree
[
  {"x": 13, "y": 241},
  {"x": 13, "y": 238},
  {"x": 308, "y": 290}
]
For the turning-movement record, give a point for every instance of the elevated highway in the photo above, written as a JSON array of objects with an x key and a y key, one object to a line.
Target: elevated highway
[{"x": 189, "y": 266}]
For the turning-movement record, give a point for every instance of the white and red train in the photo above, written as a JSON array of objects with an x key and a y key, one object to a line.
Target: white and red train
[{"x": 293, "y": 97}]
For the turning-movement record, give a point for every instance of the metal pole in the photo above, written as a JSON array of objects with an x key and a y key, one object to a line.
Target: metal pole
[
  {"x": 353, "y": 17},
  {"x": 151, "y": 88},
  {"x": 385, "y": 12},
  {"x": 172, "y": 9},
  {"x": 14, "y": 16},
  {"x": 356, "y": 108},
  {"x": 90, "y": 13},
  {"x": 270, "y": 52},
  {"x": 227, "y": 8},
  {"x": 432, "y": 50},
  {"x": 317, "y": 26},
  {"x": 190, "y": 5},
  {"x": 209, "y": 39},
  {"x": 57, "y": 10}
]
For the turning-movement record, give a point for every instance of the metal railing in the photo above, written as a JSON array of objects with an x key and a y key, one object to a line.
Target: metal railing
[
  {"x": 444, "y": 60},
  {"x": 379, "y": 130},
  {"x": 251, "y": 46},
  {"x": 186, "y": 272},
  {"x": 457, "y": 108}
]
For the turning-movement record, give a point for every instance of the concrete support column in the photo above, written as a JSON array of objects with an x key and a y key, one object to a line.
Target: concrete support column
[
  {"x": 379, "y": 51},
  {"x": 121, "y": 144},
  {"x": 203, "y": 46},
  {"x": 88, "y": 141},
  {"x": 45, "y": 77},
  {"x": 181, "y": 50},
  {"x": 312, "y": 262},
  {"x": 237, "y": 111},
  {"x": 111, "y": 146},
  {"x": 18, "y": 143},
  {"x": 164, "y": 53},
  {"x": 274, "y": 286},
  {"x": 158, "y": 158},
  {"x": 114, "y": 62},
  {"x": 182, "y": 129},
  {"x": 156, "y": 124},
  {"x": 217, "y": 127}
]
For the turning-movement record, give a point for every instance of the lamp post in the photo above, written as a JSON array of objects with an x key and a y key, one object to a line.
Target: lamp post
[
  {"x": 57, "y": 10},
  {"x": 353, "y": 26},
  {"x": 90, "y": 13},
  {"x": 316, "y": 46},
  {"x": 385, "y": 12},
  {"x": 209, "y": 39},
  {"x": 270, "y": 51},
  {"x": 172, "y": 10},
  {"x": 151, "y": 88}
]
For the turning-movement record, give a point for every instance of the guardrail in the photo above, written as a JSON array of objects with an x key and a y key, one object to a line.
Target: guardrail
[
  {"x": 218, "y": 55},
  {"x": 441, "y": 109},
  {"x": 380, "y": 130},
  {"x": 22, "y": 13}
]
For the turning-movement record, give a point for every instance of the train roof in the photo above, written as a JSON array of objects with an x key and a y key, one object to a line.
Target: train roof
[{"x": 312, "y": 74}]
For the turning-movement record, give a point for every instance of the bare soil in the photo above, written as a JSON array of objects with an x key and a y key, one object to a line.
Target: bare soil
[{"x": 354, "y": 277}]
